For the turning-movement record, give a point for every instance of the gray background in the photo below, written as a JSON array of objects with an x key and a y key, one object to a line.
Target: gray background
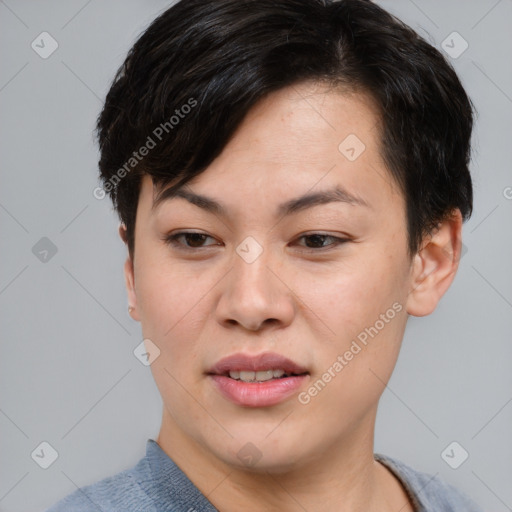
[{"x": 68, "y": 373}]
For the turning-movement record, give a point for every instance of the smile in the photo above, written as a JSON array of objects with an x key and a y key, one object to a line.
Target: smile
[{"x": 257, "y": 381}]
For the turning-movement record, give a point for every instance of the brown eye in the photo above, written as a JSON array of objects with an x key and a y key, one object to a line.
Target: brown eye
[
  {"x": 317, "y": 241},
  {"x": 193, "y": 240}
]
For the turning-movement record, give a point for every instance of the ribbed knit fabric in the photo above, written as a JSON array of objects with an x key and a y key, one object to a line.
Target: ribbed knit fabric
[{"x": 156, "y": 484}]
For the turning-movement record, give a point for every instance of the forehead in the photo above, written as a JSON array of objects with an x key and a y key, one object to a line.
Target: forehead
[{"x": 299, "y": 139}]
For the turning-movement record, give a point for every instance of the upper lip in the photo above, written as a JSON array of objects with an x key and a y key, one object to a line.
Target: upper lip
[{"x": 260, "y": 362}]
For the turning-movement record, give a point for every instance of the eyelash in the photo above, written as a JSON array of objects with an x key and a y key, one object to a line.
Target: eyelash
[{"x": 172, "y": 241}]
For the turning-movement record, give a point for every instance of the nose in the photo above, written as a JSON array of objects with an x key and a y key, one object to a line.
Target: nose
[{"x": 255, "y": 294}]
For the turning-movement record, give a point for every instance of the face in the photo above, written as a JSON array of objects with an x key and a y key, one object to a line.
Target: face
[{"x": 318, "y": 289}]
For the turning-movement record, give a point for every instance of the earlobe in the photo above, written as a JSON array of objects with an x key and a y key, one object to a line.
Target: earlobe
[
  {"x": 130, "y": 289},
  {"x": 122, "y": 232},
  {"x": 129, "y": 277},
  {"x": 435, "y": 266}
]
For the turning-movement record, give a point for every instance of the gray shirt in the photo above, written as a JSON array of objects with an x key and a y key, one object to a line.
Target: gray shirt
[{"x": 156, "y": 484}]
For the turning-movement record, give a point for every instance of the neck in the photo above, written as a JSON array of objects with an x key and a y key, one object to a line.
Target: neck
[{"x": 343, "y": 477}]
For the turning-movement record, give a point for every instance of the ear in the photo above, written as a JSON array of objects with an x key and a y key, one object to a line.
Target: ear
[
  {"x": 129, "y": 278},
  {"x": 434, "y": 266}
]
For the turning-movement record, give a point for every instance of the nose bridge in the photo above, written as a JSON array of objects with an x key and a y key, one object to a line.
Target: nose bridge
[
  {"x": 253, "y": 294},
  {"x": 252, "y": 276}
]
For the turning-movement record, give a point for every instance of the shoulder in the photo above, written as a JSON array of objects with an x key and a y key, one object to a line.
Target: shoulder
[
  {"x": 429, "y": 492},
  {"x": 154, "y": 484},
  {"x": 122, "y": 491}
]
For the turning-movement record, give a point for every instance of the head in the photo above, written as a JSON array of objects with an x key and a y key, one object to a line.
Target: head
[{"x": 223, "y": 115}]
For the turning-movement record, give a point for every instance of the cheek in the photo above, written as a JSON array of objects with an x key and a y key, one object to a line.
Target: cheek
[
  {"x": 350, "y": 297},
  {"x": 362, "y": 309},
  {"x": 168, "y": 301}
]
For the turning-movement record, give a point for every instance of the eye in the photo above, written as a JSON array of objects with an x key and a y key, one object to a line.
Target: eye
[
  {"x": 195, "y": 238},
  {"x": 318, "y": 238}
]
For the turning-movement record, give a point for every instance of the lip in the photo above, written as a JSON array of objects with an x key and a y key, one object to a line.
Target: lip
[
  {"x": 257, "y": 394},
  {"x": 265, "y": 361}
]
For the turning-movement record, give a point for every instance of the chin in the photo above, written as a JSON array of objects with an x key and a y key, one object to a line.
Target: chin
[
  {"x": 274, "y": 464},
  {"x": 261, "y": 452}
]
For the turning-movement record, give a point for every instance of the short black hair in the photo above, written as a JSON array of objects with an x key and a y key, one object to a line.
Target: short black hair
[{"x": 196, "y": 71}]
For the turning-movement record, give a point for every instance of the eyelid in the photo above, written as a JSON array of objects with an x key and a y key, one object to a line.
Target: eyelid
[
  {"x": 338, "y": 241},
  {"x": 171, "y": 239}
]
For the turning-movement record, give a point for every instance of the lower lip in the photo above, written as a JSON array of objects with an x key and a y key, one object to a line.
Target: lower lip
[{"x": 258, "y": 394}]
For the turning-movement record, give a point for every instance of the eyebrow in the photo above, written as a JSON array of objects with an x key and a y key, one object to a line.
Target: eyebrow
[{"x": 308, "y": 200}]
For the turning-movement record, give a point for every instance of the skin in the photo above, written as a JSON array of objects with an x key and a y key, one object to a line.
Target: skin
[{"x": 201, "y": 306}]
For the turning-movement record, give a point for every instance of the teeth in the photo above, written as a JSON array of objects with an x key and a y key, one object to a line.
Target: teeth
[
  {"x": 247, "y": 376},
  {"x": 264, "y": 375},
  {"x": 261, "y": 376}
]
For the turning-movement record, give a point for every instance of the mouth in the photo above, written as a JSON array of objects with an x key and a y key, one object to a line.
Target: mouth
[
  {"x": 257, "y": 381},
  {"x": 260, "y": 375}
]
